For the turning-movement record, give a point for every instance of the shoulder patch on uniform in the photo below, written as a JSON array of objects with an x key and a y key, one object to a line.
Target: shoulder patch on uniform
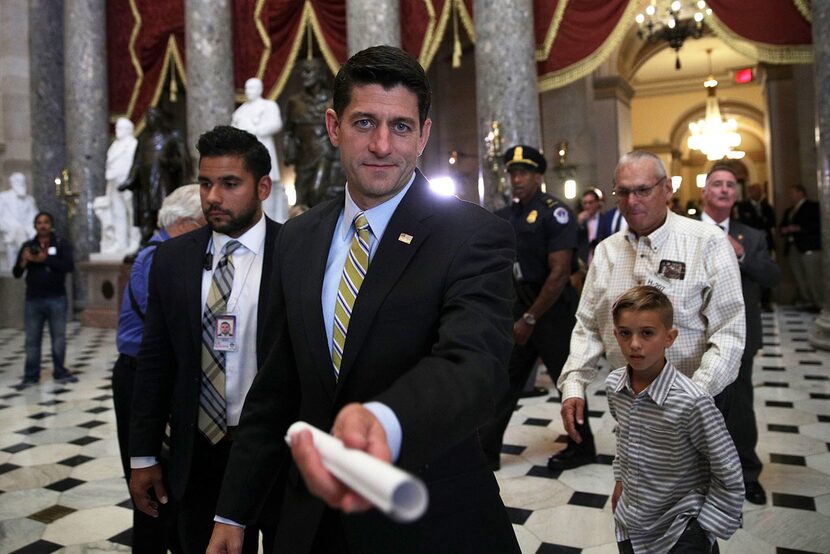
[{"x": 560, "y": 214}]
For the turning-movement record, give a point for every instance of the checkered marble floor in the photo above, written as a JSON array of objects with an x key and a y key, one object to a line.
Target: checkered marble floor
[{"x": 61, "y": 487}]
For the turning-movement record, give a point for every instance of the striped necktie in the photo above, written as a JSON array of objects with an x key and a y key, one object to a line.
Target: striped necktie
[
  {"x": 354, "y": 270},
  {"x": 213, "y": 420}
]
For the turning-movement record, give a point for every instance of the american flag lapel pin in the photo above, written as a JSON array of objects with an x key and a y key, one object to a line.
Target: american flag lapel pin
[{"x": 404, "y": 238}]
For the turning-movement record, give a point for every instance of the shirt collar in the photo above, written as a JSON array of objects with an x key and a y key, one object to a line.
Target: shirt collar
[
  {"x": 378, "y": 217},
  {"x": 658, "y": 390},
  {"x": 253, "y": 239},
  {"x": 705, "y": 218}
]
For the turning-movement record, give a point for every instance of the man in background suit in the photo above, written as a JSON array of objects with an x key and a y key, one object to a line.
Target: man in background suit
[
  {"x": 801, "y": 227},
  {"x": 756, "y": 212},
  {"x": 409, "y": 369},
  {"x": 610, "y": 222},
  {"x": 221, "y": 270},
  {"x": 757, "y": 270}
]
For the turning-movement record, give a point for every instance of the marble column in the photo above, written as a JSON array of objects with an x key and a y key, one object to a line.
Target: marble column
[
  {"x": 209, "y": 46},
  {"x": 820, "y": 335},
  {"x": 371, "y": 23},
  {"x": 612, "y": 113},
  {"x": 506, "y": 81},
  {"x": 48, "y": 125},
  {"x": 87, "y": 132}
]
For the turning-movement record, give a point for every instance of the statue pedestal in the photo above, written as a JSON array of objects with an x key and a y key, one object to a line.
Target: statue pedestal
[
  {"x": 12, "y": 297},
  {"x": 105, "y": 288}
]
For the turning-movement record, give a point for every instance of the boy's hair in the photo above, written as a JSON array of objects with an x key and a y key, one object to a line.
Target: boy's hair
[
  {"x": 224, "y": 140},
  {"x": 388, "y": 67},
  {"x": 642, "y": 298}
]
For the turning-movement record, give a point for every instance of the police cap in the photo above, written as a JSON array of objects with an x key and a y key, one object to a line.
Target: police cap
[{"x": 526, "y": 156}]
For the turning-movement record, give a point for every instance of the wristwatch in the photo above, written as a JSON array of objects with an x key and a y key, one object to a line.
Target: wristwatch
[{"x": 529, "y": 318}]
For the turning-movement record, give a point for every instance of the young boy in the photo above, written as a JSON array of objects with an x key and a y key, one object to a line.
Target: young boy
[{"x": 679, "y": 481}]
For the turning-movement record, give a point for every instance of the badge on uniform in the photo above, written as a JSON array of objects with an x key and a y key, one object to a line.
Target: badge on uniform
[
  {"x": 531, "y": 217},
  {"x": 224, "y": 338},
  {"x": 560, "y": 214},
  {"x": 672, "y": 270}
]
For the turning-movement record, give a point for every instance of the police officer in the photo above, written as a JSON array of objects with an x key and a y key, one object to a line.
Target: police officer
[{"x": 546, "y": 240}]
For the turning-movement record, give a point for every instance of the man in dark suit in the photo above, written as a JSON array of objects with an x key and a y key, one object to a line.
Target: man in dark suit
[
  {"x": 610, "y": 222},
  {"x": 406, "y": 369},
  {"x": 801, "y": 227},
  {"x": 757, "y": 270},
  {"x": 187, "y": 375},
  {"x": 756, "y": 212}
]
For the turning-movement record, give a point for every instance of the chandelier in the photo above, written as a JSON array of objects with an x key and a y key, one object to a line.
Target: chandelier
[
  {"x": 713, "y": 135},
  {"x": 672, "y": 21}
]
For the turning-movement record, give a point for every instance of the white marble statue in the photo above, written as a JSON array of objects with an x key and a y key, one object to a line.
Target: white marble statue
[
  {"x": 17, "y": 219},
  {"x": 261, "y": 117},
  {"x": 115, "y": 209}
]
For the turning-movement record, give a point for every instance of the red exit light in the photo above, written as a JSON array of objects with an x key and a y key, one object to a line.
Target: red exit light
[{"x": 743, "y": 76}]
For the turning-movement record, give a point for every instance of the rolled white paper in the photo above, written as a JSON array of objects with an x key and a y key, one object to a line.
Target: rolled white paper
[{"x": 398, "y": 494}]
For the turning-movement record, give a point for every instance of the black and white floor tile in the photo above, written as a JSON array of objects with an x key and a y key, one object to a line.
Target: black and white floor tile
[{"x": 62, "y": 490}]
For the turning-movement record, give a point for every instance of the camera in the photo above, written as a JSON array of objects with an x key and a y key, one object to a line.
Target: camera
[{"x": 34, "y": 249}]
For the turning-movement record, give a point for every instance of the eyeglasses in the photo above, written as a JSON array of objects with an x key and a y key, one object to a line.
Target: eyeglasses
[{"x": 639, "y": 192}]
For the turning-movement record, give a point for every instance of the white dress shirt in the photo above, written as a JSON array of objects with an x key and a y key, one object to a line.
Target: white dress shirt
[{"x": 240, "y": 366}]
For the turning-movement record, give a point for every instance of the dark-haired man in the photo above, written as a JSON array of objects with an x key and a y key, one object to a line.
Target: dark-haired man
[
  {"x": 46, "y": 259},
  {"x": 186, "y": 374},
  {"x": 390, "y": 327}
]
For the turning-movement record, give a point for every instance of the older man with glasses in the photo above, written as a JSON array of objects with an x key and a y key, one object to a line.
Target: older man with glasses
[{"x": 691, "y": 262}]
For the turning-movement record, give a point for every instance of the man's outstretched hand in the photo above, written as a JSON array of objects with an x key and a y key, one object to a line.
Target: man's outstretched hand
[{"x": 358, "y": 428}]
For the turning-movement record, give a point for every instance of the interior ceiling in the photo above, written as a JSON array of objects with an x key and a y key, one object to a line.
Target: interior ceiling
[{"x": 659, "y": 72}]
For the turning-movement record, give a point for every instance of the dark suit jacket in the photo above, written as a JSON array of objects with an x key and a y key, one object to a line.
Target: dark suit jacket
[
  {"x": 757, "y": 271},
  {"x": 429, "y": 336},
  {"x": 808, "y": 217},
  {"x": 745, "y": 213},
  {"x": 606, "y": 223},
  {"x": 169, "y": 360}
]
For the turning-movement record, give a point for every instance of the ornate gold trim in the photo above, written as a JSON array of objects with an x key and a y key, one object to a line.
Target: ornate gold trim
[
  {"x": 567, "y": 75},
  {"x": 263, "y": 35},
  {"x": 769, "y": 53},
  {"x": 290, "y": 60},
  {"x": 311, "y": 15},
  {"x": 805, "y": 8},
  {"x": 426, "y": 45},
  {"x": 543, "y": 52},
  {"x": 466, "y": 20},
  {"x": 437, "y": 35},
  {"x": 134, "y": 59}
]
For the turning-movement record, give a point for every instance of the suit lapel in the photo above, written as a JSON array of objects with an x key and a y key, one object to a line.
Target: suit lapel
[
  {"x": 194, "y": 257},
  {"x": 319, "y": 233},
  {"x": 390, "y": 260}
]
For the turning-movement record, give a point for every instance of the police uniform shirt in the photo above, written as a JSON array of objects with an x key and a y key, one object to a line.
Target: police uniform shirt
[{"x": 542, "y": 226}]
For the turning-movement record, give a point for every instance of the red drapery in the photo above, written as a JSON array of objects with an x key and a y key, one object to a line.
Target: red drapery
[
  {"x": 774, "y": 22},
  {"x": 145, "y": 38}
]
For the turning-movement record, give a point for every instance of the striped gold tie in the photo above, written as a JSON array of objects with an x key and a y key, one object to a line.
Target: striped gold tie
[
  {"x": 354, "y": 270},
  {"x": 213, "y": 419}
]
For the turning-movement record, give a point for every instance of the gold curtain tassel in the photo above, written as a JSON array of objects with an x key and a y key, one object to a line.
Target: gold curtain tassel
[{"x": 456, "y": 42}]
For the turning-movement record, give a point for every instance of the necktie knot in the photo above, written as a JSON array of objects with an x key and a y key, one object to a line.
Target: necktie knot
[
  {"x": 361, "y": 224},
  {"x": 232, "y": 246}
]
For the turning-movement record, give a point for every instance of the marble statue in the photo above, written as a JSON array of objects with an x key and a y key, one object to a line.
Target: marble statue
[
  {"x": 161, "y": 165},
  {"x": 305, "y": 142},
  {"x": 115, "y": 209},
  {"x": 262, "y": 118},
  {"x": 17, "y": 219}
]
